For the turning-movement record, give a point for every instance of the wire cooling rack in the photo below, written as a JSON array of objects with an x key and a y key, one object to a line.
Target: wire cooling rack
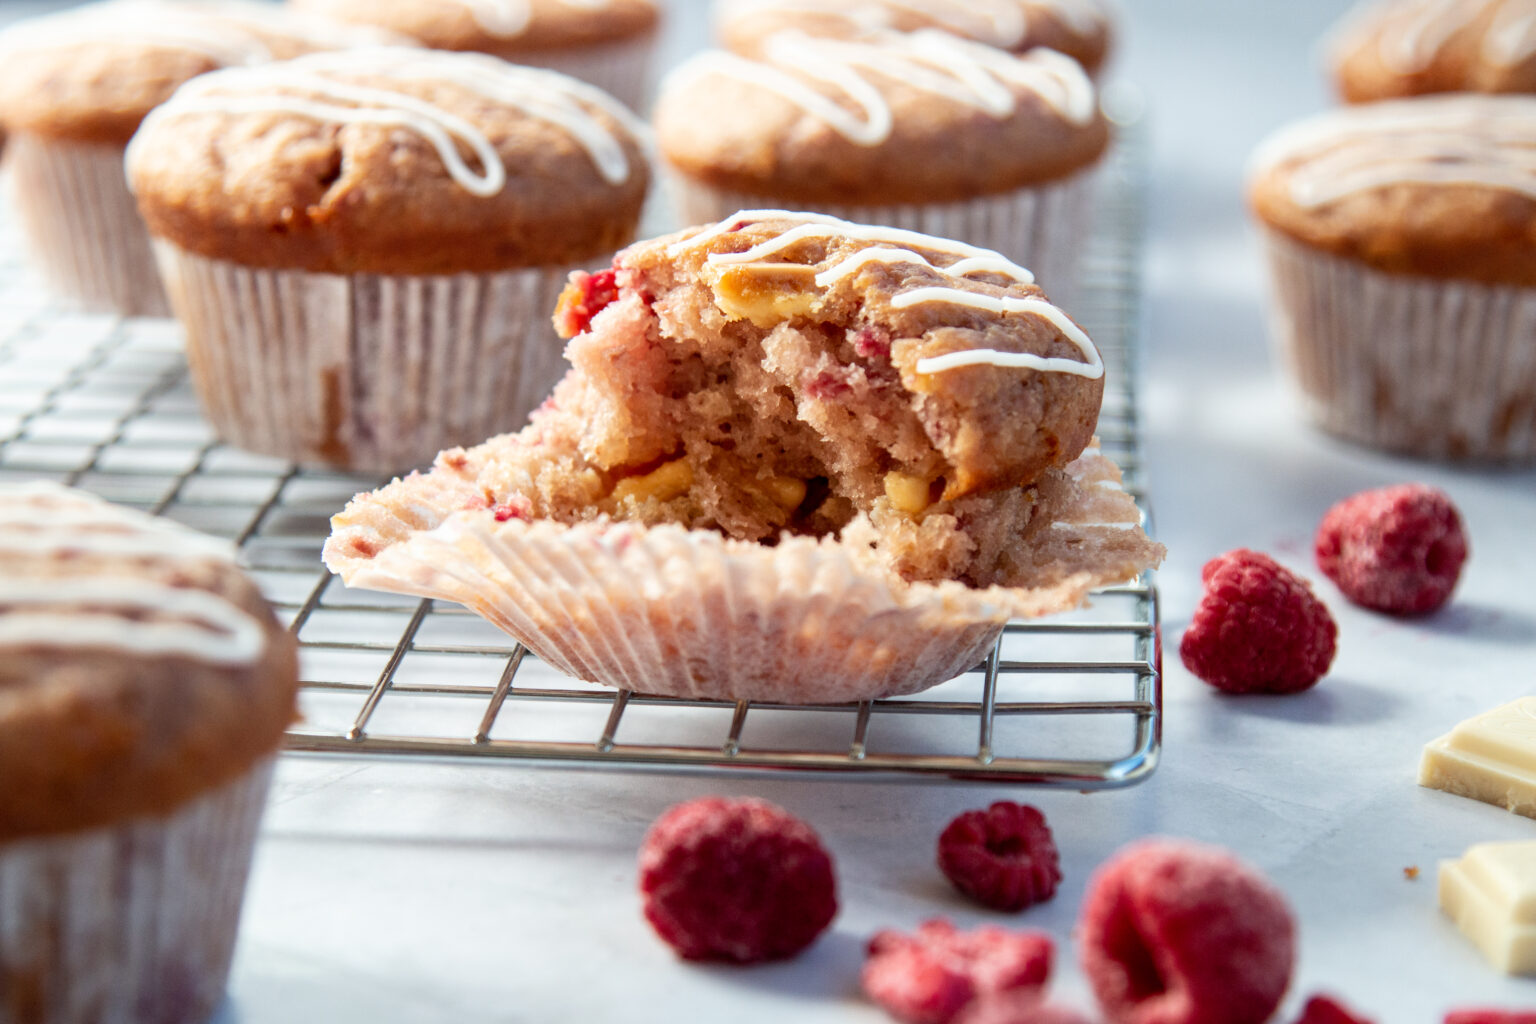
[{"x": 104, "y": 404}]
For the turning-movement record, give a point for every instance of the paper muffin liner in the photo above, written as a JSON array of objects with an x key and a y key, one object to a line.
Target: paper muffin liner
[
  {"x": 1043, "y": 227},
  {"x": 83, "y": 225},
  {"x": 621, "y": 68},
  {"x": 690, "y": 613},
  {"x": 364, "y": 372},
  {"x": 1437, "y": 368},
  {"x": 129, "y": 923}
]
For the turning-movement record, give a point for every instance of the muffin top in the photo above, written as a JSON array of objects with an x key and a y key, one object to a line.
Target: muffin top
[
  {"x": 1078, "y": 28},
  {"x": 91, "y": 73},
  {"x": 392, "y": 161},
  {"x": 502, "y": 27},
  {"x": 897, "y": 117},
  {"x": 1443, "y": 186},
  {"x": 1412, "y": 47},
  {"x": 139, "y": 667}
]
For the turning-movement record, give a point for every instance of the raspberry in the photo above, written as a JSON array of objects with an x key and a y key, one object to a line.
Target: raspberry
[
  {"x": 1486, "y": 1015},
  {"x": 1020, "y": 1007},
  {"x": 740, "y": 880},
  {"x": 1258, "y": 627},
  {"x": 930, "y": 976},
  {"x": 1395, "y": 549},
  {"x": 1181, "y": 933},
  {"x": 1327, "y": 1010},
  {"x": 1003, "y": 857},
  {"x": 582, "y": 299}
]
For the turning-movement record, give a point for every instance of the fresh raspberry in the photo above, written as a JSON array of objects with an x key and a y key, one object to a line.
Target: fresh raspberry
[
  {"x": 1258, "y": 627},
  {"x": 1395, "y": 549},
  {"x": 739, "y": 880},
  {"x": 582, "y": 299},
  {"x": 1021, "y": 1007},
  {"x": 1003, "y": 857},
  {"x": 1181, "y": 933},
  {"x": 1487, "y": 1015},
  {"x": 1327, "y": 1010},
  {"x": 930, "y": 976}
]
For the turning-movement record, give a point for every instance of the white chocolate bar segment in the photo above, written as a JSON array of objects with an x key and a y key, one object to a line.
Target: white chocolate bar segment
[
  {"x": 1491, "y": 895},
  {"x": 1490, "y": 757}
]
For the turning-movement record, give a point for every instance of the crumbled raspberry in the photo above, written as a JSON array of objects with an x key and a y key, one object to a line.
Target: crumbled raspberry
[
  {"x": 1003, "y": 857},
  {"x": 1258, "y": 628},
  {"x": 1180, "y": 933},
  {"x": 586, "y": 296},
  {"x": 828, "y": 385},
  {"x": 871, "y": 343},
  {"x": 1488, "y": 1015},
  {"x": 1327, "y": 1010},
  {"x": 516, "y": 506},
  {"x": 930, "y": 976},
  {"x": 1395, "y": 549},
  {"x": 1018, "y": 1008},
  {"x": 740, "y": 880}
]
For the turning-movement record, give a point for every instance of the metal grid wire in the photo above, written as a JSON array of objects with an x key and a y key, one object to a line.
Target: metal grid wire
[{"x": 104, "y": 404}]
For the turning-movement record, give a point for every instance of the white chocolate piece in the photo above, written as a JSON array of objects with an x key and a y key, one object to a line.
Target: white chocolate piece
[
  {"x": 1490, "y": 757},
  {"x": 1491, "y": 895}
]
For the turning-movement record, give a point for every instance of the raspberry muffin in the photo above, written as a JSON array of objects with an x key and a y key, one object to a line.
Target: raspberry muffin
[
  {"x": 606, "y": 42},
  {"x": 795, "y": 459},
  {"x": 1412, "y": 47},
  {"x": 364, "y": 246},
  {"x": 144, "y": 689},
  {"x": 919, "y": 130},
  {"x": 1400, "y": 239},
  {"x": 1080, "y": 29},
  {"x": 74, "y": 87}
]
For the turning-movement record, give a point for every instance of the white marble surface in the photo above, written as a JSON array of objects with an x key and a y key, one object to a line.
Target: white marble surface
[{"x": 406, "y": 892}]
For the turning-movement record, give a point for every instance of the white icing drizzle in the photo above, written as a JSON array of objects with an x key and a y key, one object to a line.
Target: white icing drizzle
[
  {"x": 1456, "y": 139},
  {"x": 1410, "y": 33},
  {"x": 1002, "y": 23},
  {"x": 972, "y": 260},
  {"x": 316, "y": 87},
  {"x": 126, "y": 613},
  {"x": 228, "y": 33},
  {"x": 509, "y": 18},
  {"x": 968, "y": 74}
]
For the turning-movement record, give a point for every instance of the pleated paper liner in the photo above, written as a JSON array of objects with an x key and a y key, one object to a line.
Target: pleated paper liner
[
  {"x": 689, "y": 613},
  {"x": 365, "y": 372},
  {"x": 1437, "y": 368},
  {"x": 621, "y": 68},
  {"x": 129, "y": 923}
]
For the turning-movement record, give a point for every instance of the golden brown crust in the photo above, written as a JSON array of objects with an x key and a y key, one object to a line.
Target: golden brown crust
[
  {"x": 276, "y": 189},
  {"x": 1369, "y": 64},
  {"x": 452, "y": 25},
  {"x": 70, "y": 76},
  {"x": 94, "y": 735}
]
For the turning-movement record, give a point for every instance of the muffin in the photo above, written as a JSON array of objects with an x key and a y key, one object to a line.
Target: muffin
[
  {"x": 795, "y": 459},
  {"x": 606, "y": 42},
  {"x": 1079, "y": 28},
  {"x": 918, "y": 130},
  {"x": 1411, "y": 47},
  {"x": 363, "y": 246},
  {"x": 144, "y": 689},
  {"x": 74, "y": 87},
  {"x": 1402, "y": 245}
]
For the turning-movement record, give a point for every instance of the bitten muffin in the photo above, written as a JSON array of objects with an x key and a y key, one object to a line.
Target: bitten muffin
[
  {"x": 1402, "y": 244},
  {"x": 795, "y": 459},
  {"x": 920, "y": 130},
  {"x": 606, "y": 42},
  {"x": 363, "y": 246},
  {"x": 74, "y": 87},
  {"x": 1412, "y": 47},
  {"x": 144, "y": 689},
  {"x": 1079, "y": 28}
]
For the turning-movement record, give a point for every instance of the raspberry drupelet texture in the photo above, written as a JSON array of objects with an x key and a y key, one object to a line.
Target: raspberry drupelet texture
[
  {"x": 928, "y": 977},
  {"x": 1327, "y": 1010},
  {"x": 1019, "y": 1008},
  {"x": 736, "y": 880},
  {"x": 1003, "y": 857},
  {"x": 1175, "y": 932},
  {"x": 1258, "y": 628},
  {"x": 1395, "y": 549}
]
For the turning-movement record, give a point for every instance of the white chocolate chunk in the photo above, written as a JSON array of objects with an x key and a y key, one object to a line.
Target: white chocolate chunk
[
  {"x": 1491, "y": 895},
  {"x": 1490, "y": 757}
]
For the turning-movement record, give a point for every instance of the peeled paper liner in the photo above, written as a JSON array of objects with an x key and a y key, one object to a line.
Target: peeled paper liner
[
  {"x": 129, "y": 922},
  {"x": 690, "y": 613}
]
